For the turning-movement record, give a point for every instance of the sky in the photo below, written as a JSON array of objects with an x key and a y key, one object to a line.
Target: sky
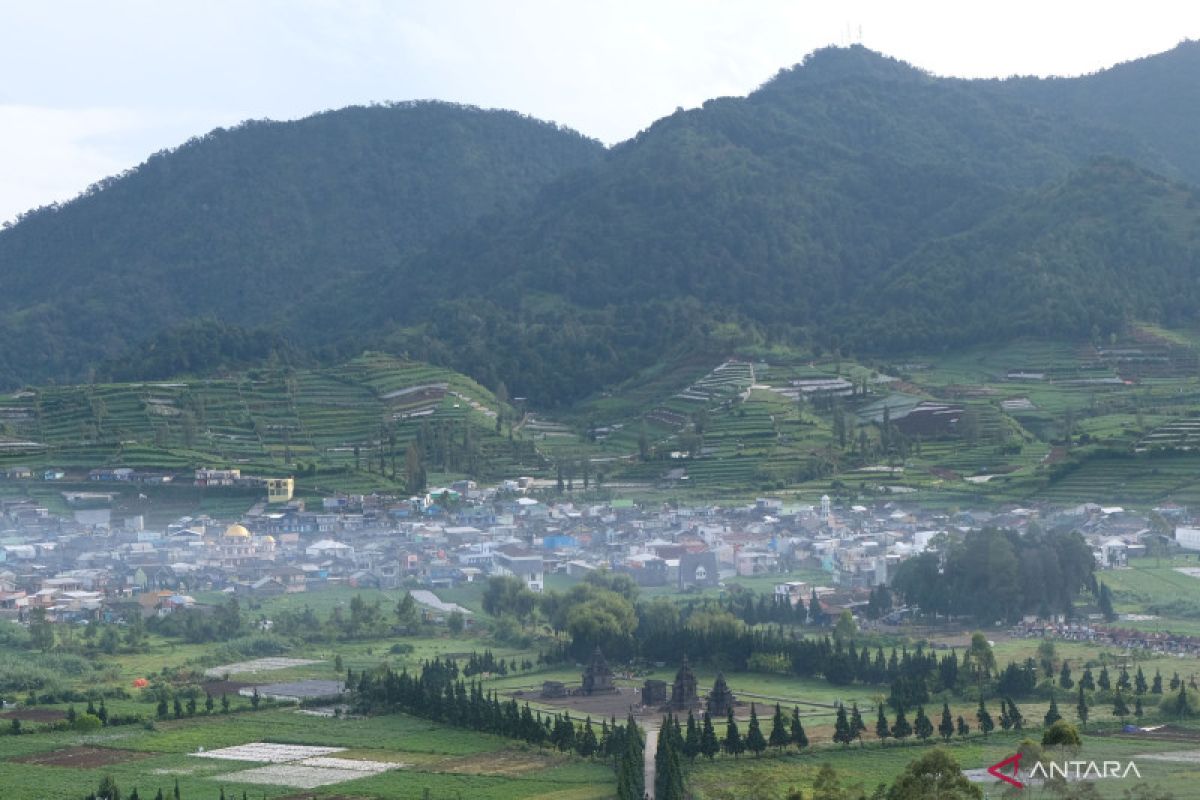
[{"x": 90, "y": 89}]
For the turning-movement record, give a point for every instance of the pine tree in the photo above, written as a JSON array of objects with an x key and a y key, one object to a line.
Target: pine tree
[
  {"x": 208, "y": 702},
  {"x": 709, "y": 746},
  {"x": 1137, "y": 708},
  {"x": 779, "y": 738},
  {"x": 755, "y": 742},
  {"x": 798, "y": 736},
  {"x": 1156, "y": 685},
  {"x": 901, "y": 730},
  {"x": 1139, "y": 682},
  {"x": 1106, "y": 605},
  {"x": 1005, "y": 719},
  {"x": 1120, "y": 709},
  {"x": 841, "y": 727},
  {"x": 924, "y": 728},
  {"x": 668, "y": 774},
  {"x": 1014, "y": 714},
  {"x": 882, "y": 729},
  {"x": 857, "y": 726},
  {"x": 985, "y": 719},
  {"x": 946, "y": 726},
  {"x": 1052, "y": 715},
  {"x": 1064, "y": 676},
  {"x": 631, "y": 767},
  {"x": 733, "y": 743},
  {"x": 1123, "y": 682},
  {"x": 224, "y": 703},
  {"x": 1081, "y": 707},
  {"x": 963, "y": 727},
  {"x": 585, "y": 745},
  {"x": 691, "y": 742},
  {"x": 1103, "y": 681},
  {"x": 1087, "y": 681}
]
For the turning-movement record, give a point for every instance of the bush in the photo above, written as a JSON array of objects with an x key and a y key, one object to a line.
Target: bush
[
  {"x": 401, "y": 649},
  {"x": 87, "y": 723}
]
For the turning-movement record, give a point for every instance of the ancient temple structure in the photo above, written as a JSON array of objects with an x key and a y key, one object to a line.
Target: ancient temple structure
[
  {"x": 720, "y": 699},
  {"x": 683, "y": 690},
  {"x": 597, "y": 677}
]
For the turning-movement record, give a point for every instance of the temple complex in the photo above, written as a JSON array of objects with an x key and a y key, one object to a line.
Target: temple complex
[
  {"x": 683, "y": 690},
  {"x": 597, "y": 677},
  {"x": 720, "y": 699}
]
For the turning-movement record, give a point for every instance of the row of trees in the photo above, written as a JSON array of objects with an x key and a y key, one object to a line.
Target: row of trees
[{"x": 438, "y": 694}]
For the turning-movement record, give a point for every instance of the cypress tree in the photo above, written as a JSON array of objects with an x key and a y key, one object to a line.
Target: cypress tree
[
  {"x": 1052, "y": 715},
  {"x": 1137, "y": 708},
  {"x": 1103, "y": 681},
  {"x": 841, "y": 727},
  {"x": 1139, "y": 682},
  {"x": 709, "y": 746},
  {"x": 779, "y": 738},
  {"x": 882, "y": 729},
  {"x": 1014, "y": 713},
  {"x": 963, "y": 727},
  {"x": 857, "y": 726},
  {"x": 1120, "y": 709},
  {"x": 946, "y": 726},
  {"x": 924, "y": 728},
  {"x": 985, "y": 719},
  {"x": 1156, "y": 685},
  {"x": 1081, "y": 707},
  {"x": 901, "y": 730},
  {"x": 733, "y": 739},
  {"x": 1087, "y": 681},
  {"x": 668, "y": 774},
  {"x": 798, "y": 736},
  {"x": 755, "y": 742},
  {"x": 691, "y": 742}
]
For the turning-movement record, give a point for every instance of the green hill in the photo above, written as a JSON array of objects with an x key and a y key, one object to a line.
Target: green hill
[{"x": 853, "y": 204}]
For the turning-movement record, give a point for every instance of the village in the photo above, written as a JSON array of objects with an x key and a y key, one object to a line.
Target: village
[{"x": 82, "y": 565}]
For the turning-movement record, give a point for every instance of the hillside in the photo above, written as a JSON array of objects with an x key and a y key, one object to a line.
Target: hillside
[
  {"x": 849, "y": 204},
  {"x": 332, "y": 427},
  {"x": 245, "y": 224}
]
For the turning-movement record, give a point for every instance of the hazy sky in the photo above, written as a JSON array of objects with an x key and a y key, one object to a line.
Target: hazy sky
[{"x": 88, "y": 88}]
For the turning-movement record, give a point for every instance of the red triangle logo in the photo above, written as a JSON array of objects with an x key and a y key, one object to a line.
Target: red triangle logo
[{"x": 996, "y": 770}]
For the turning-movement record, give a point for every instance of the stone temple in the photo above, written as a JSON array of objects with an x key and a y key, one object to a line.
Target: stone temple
[
  {"x": 683, "y": 690},
  {"x": 720, "y": 699},
  {"x": 597, "y": 677}
]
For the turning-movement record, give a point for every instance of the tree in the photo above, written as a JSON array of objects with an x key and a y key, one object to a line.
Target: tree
[
  {"x": 882, "y": 729},
  {"x": 1052, "y": 715},
  {"x": 1106, "y": 604},
  {"x": 845, "y": 629},
  {"x": 857, "y": 726},
  {"x": 668, "y": 774},
  {"x": 901, "y": 730},
  {"x": 414, "y": 469},
  {"x": 255, "y": 698},
  {"x": 224, "y": 703},
  {"x": 691, "y": 742},
  {"x": 1139, "y": 682},
  {"x": 407, "y": 613},
  {"x": 922, "y": 725},
  {"x": 985, "y": 719},
  {"x": 841, "y": 727},
  {"x": 1014, "y": 715},
  {"x": 733, "y": 743},
  {"x": 1156, "y": 686},
  {"x": 798, "y": 736},
  {"x": 1181, "y": 706},
  {"x": 1081, "y": 707},
  {"x": 1087, "y": 681},
  {"x": 1120, "y": 709},
  {"x": 935, "y": 774},
  {"x": 1103, "y": 681},
  {"x": 1061, "y": 734},
  {"x": 1064, "y": 676},
  {"x": 963, "y": 727},
  {"x": 779, "y": 737},
  {"x": 108, "y": 789},
  {"x": 1138, "y": 710},
  {"x": 946, "y": 726},
  {"x": 709, "y": 746},
  {"x": 755, "y": 742},
  {"x": 455, "y": 622}
]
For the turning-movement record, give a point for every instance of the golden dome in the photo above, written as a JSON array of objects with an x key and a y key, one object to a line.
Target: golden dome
[
  {"x": 269, "y": 539},
  {"x": 236, "y": 531}
]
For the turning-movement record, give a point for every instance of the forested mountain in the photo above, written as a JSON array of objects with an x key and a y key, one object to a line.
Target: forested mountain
[
  {"x": 244, "y": 224},
  {"x": 853, "y": 201}
]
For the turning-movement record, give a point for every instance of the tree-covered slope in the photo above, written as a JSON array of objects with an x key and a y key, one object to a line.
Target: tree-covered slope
[
  {"x": 244, "y": 224},
  {"x": 1079, "y": 259},
  {"x": 852, "y": 201}
]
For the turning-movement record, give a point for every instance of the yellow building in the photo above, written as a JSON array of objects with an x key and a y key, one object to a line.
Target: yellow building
[{"x": 279, "y": 490}]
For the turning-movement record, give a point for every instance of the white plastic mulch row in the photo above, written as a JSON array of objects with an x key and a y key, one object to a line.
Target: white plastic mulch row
[
  {"x": 297, "y": 766},
  {"x": 258, "y": 665},
  {"x": 269, "y": 753}
]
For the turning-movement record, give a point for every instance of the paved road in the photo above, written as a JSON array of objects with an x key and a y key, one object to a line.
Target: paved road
[{"x": 651, "y": 749}]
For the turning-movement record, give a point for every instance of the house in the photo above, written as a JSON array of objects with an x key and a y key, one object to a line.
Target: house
[
  {"x": 699, "y": 570},
  {"x": 19, "y": 473},
  {"x": 328, "y": 548},
  {"x": 521, "y": 564}
]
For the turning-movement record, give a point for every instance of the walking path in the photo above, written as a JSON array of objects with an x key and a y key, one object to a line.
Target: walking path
[{"x": 651, "y": 749}]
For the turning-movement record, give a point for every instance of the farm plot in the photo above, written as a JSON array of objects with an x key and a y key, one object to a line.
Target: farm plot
[
  {"x": 81, "y": 757},
  {"x": 297, "y": 766},
  {"x": 258, "y": 665}
]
